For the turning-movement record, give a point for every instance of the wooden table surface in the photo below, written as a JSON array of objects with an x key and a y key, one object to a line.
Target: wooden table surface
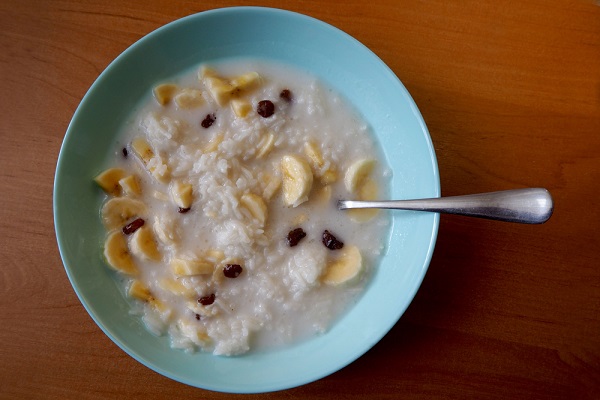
[{"x": 510, "y": 91}]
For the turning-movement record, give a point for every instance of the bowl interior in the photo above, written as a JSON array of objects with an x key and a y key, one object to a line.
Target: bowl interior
[{"x": 340, "y": 62}]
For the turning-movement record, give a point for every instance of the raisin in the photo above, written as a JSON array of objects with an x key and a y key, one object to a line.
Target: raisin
[
  {"x": 182, "y": 210},
  {"x": 198, "y": 317},
  {"x": 208, "y": 120},
  {"x": 286, "y": 95},
  {"x": 232, "y": 270},
  {"x": 133, "y": 226},
  {"x": 265, "y": 108},
  {"x": 331, "y": 241},
  {"x": 207, "y": 300},
  {"x": 124, "y": 152},
  {"x": 295, "y": 236}
]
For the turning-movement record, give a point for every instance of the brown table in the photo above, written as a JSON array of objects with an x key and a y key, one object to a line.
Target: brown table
[{"x": 510, "y": 91}]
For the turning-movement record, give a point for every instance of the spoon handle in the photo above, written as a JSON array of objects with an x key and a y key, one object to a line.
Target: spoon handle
[{"x": 526, "y": 206}]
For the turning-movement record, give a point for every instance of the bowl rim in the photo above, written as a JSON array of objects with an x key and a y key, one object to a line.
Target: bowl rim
[{"x": 70, "y": 132}]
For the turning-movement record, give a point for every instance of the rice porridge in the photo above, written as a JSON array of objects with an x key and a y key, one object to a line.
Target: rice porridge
[{"x": 220, "y": 207}]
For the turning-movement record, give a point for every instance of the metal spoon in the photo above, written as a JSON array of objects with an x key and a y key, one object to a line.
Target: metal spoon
[{"x": 527, "y": 206}]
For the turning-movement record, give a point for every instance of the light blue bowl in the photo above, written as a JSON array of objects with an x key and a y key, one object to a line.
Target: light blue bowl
[{"x": 338, "y": 60}]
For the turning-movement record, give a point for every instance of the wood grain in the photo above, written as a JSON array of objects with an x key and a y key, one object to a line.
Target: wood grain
[{"x": 510, "y": 92}]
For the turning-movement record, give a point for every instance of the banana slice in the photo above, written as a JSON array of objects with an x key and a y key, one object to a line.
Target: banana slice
[
  {"x": 317, "y": 162},
  {"x": 345, "y": 268},
  {"x": 367, "y": 191},
  {"x": 117, "y": 211},
  {"x": 143, "y": 244},
  {"x": 189, "y": 98},
  {"x": 165, "y": 230},
  {"x": 139, "y": 291},
  {"x": 223, "y": 90},
  {"x": 256, "y": 205},
  {"x": 142, "y": 149},
  {"x": 176, "y": 287},
  {"x": 109, "y": 180},
  {"x": 220, "y": 90},
  {"x": 187, "y": 267},
  {"x": 130, "y": 185},
  {"x": 265, "y": 145},
  {"x": 314, "y": 155},
  {"x": 117, "y": 254},
  {"x": 246, "y": 81},
  {"x": 182, "y": 194},
  {"x": 164, "y": 93},
  {"x": 241, "y": 108},
  {"x": 357, "y": 173},
  {"x": 272, "y": 184},
  {"x": 297, "y": 180},
  {"x": 152, "y": 162}
]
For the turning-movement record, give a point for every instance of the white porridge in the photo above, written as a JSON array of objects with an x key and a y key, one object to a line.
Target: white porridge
[{"x": 220, "y": 209}]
